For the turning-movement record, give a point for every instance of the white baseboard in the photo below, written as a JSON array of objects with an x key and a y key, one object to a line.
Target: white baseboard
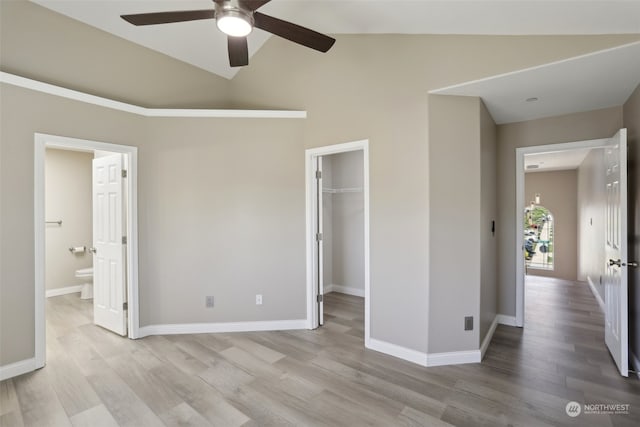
[
  {"x": 17, "y": 368},
  {"x": 635, "y": 362},
  {"x": 596, "y": 294},
  {"x": 454, "y": 358},
  {"x": 503, "y": 319},
  {"x": 356, "y": 292},
  {"x": 425, "y": 359},
  {"x": 210, "y": 328},
  {"x": 487, "y": 338},
  {"x": 63, "y": 291},
  {"x": 400, "y": 352}
]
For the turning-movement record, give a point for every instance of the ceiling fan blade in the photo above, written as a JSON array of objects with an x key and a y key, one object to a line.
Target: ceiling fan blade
[
  {"x": 238, "y": 51},
  {"x": 169, "y": 17},
  {"x": 293, "y": 32},
  {"x": 253, "y": 4}
]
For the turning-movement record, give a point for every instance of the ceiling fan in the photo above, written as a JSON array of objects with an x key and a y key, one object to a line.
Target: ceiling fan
[{"x": 237, "y": 18}]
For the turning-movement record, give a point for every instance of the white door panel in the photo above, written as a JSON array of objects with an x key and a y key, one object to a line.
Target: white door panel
[
  {"x": 109, "y": 283},
  {"x": 615, "y": 285}
]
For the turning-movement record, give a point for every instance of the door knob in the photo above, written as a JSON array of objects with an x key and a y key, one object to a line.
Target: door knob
[
  {"x": 616, "y": 262},
  {"x": 93, "y": 250}
]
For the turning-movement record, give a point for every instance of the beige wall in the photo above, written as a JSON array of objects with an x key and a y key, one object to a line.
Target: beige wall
[
  {"x": 559, "y": 193},
  {"x": 216, "y": 196},
  {"x": 463, "y": 204},
  {"x": 68, "y": 178},
  {"x": 488, "y": 213},
  {"x": 567, "y": 128},
  {"x": 591, "y": 209},
  {"x": 455, "y": 214},
  {"x": 632, "y": 123},
  {"x": 40, "y": 44}
]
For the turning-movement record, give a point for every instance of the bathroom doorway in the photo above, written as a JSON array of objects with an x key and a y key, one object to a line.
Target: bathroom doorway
[{"x": 86, "y": 244}]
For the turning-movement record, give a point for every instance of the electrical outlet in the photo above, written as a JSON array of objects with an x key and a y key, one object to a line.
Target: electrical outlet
[
  {"x": 258, "y": 299},
  {"x": 209, "y": 302},
  {"x": 468, "y": 323}
]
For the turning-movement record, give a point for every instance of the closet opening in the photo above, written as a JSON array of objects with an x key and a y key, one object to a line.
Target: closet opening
[{"x": 338, "y": 236}]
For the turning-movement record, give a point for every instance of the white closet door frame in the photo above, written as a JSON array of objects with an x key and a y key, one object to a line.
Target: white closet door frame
[{"x": 311, "y": 156}]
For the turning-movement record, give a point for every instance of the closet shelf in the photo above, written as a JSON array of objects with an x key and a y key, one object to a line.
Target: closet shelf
[{"x": 342, "y": 190}]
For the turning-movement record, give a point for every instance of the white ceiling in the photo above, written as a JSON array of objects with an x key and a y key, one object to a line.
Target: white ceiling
[
  {"x": 558, "y": 160},
  {"x": 589, "y": 82},
  {"x": 200, "y": 43}
]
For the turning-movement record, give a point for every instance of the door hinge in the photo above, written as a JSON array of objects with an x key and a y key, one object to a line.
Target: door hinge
[
  {"x": 318, "y": 174},
  {"x": 320, "y": 298},
  {"x": 124, "y": 240},
  {"x": 318, "y": 237},
  {"x": 125, "y": 305},
  {"x": 124, "y": 173}
]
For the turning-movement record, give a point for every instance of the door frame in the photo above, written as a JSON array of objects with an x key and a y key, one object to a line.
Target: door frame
[
  {"x": 520, "y": 206},
  {"x": 42, "y": 142},
  {"x": 311, "y": 217}
]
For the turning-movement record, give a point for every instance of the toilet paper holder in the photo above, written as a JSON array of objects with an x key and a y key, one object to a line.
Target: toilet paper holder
[{"x": 78, "y": 249}]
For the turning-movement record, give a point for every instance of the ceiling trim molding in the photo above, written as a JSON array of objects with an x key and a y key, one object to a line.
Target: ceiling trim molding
[
  {"x": 38, "y": 86},
  {"x": 444, "y": 90}
]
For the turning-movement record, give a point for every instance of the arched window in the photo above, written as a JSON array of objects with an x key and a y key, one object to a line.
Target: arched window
[{"x": 538, "y": 238}]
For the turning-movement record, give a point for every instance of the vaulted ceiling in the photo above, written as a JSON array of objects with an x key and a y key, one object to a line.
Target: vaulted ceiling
[
  {"x": 589, "y": 82},
  {"x": 201, "y": 44}
]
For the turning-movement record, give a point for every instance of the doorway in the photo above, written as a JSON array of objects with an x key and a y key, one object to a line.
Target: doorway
[
  {"x": 522, "y": 205},
  {"x": 114, "y": 165},
  {"x": 611, "y": 238},
  {"x": 316, "y": 265}
]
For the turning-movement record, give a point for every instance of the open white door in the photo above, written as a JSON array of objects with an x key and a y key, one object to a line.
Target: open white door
[
  {"x": 109, "y": 294},
  {"x": 615, "y": 284},
  {"x": 319, "y": 245}
]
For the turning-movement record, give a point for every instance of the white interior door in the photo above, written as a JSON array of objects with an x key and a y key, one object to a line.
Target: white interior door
[
  {"x": 109, "y": 293},
  {"x": 319, "y": 245},
  {"x": 615, "y": 285}
]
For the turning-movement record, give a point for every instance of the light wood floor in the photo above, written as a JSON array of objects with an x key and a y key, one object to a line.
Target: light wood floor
[{"x": 322, "y": 377}]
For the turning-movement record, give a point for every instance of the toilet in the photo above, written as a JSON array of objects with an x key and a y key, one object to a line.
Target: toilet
[{"x": 87, "y": 288}]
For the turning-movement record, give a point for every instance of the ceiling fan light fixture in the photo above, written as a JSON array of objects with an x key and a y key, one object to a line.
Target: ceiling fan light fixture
[{"x": 234, "y": 22}]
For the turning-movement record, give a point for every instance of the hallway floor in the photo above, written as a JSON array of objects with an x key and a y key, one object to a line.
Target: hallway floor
[{"x": 322, "y": 377}]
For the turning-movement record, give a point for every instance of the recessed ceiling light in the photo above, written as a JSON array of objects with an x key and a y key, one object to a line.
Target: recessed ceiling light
[{"x": 532, "y": 99}]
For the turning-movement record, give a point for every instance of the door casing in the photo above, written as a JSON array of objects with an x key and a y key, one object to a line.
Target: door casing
[
  {"x": 42, "y": 142},
  {"x": 311, "y": 198}
]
